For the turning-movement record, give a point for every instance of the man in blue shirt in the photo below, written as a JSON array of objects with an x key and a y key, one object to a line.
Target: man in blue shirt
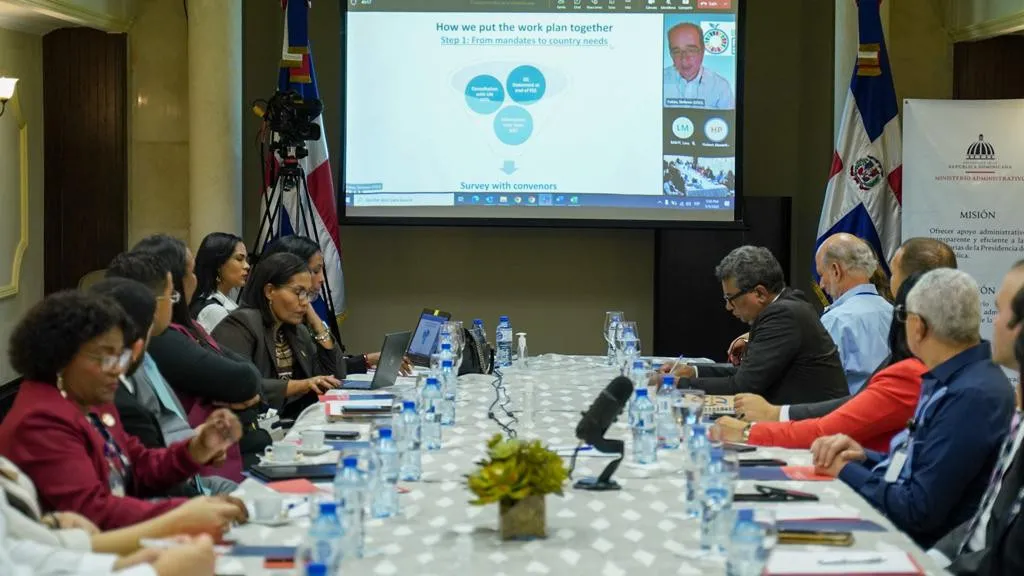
[
  {"x": 858, "y": 319},
  {"x": 938, "y": 468}
]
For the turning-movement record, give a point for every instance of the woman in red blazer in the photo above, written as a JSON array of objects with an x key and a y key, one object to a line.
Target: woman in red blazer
[
  {"x": 872, "y": 417},
  {"x": 63, "y": 430}
]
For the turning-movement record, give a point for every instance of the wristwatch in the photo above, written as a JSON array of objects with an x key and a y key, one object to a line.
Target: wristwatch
[{"x": 746, "y": 432}]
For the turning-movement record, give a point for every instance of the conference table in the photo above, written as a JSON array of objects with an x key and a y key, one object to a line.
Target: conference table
[{"x": 639, "y": 529}]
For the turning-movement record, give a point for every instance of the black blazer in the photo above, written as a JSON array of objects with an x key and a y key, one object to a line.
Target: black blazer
[
  {"x": 790, "y": 358},
  {"x": 1004, "y": 536},
  {"x": 244, "y": 332}
]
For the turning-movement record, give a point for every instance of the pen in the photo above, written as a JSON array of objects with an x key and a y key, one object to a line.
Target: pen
[
  {"x": 676, "y": 363},
  {"x": 844, "y": 561}
]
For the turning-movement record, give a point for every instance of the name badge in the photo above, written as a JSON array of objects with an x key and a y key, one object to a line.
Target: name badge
[{"x": 899, "y": 459}]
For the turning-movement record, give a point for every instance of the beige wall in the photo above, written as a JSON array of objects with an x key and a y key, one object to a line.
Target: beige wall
[
  {"x": 920, "y": 50},
  {"x": 21, "y": 56},
  {"x": 560, "y": 281},
  {"x": 158, "y": 170}
]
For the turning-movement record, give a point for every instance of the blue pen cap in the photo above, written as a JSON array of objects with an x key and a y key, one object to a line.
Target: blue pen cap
[
  {"x": 641, "y": 392},
  {"x": 745, "y": 515},
  {"x": 316, "y": 569},
  {"x": 408, "y": 404},
  {"x": 384, "y": 432},
  {"x": 350, "y": 462},
  {"x": 503, "y": 318}
]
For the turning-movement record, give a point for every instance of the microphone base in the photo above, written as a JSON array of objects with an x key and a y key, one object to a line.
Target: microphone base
[{"x": 596, "y": 485}]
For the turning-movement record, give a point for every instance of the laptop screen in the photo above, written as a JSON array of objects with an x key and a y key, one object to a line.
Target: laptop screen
[{"x": 424, "y": 340}]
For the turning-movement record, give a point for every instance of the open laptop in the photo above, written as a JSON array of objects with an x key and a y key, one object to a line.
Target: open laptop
[
  {"x": 425, "y": 337},
  {"x": 391, "y": 354}
]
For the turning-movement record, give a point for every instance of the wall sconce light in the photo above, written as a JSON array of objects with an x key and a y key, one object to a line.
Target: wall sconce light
[{"x": 6, "y": 92}]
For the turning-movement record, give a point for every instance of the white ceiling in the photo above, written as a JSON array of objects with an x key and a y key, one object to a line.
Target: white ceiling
[{"x": 14, "y": 16}]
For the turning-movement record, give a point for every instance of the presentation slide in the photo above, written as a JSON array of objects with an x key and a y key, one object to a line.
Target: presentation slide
[{"x": 546, "y": 109}]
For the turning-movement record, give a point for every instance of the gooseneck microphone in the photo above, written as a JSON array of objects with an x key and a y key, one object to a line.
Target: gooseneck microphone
[{"x": 595, "y": 423}]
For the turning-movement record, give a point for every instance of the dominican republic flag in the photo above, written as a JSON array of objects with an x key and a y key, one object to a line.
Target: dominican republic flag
[
  {"x": 290, "y": 212},
  {"x": 865, "y": 185}
]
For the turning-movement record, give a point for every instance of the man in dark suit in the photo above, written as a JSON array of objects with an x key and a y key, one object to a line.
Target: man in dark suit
[
  {"x": 790, "y": 358},
  {"x": 990, "y": 543},
  {"x": 915, "y": 256}
]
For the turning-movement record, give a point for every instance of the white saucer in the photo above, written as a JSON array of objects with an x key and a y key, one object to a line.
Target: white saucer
[
  {"x": 314, "y": 451},
  {"x": 283, "y": 520},
  {"x": 264, "y": 461}
]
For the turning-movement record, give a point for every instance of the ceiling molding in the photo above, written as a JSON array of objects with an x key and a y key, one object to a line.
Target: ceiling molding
[
  {"x": 74, "y": 14},
  {"x": 1009, "y": 24}
]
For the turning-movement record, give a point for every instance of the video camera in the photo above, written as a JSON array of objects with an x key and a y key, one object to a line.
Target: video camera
[{"x": 292, "y": 118}]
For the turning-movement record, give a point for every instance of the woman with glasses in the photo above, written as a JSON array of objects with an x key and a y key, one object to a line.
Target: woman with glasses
[
  {"x": 203, "y": 374},
  {"x": 310, "y": 252},
  {"x": 871, "y": 417},
  {"x": 270, "y": 329},
  {"x": 64, "y": 432},
  {"x": 222, "y": 266}
]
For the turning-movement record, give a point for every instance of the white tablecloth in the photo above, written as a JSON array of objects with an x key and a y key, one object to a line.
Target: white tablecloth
[{"x": 638, "y": 530}]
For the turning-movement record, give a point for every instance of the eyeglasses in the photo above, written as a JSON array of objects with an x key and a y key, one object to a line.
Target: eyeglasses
[
  {"x": 301, "y": 293},
  {"x": 901, "y": 314},
  {"x": 109, "y": 362},
  {"x": 175, "y": 297},
  {"x": 730, "y": 298},
  {"x": 688, "y": 51}
]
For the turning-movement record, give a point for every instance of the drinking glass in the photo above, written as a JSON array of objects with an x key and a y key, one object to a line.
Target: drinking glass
[
  {"x": 611, "y": 323},
  {"x": 626, "y": 343},
  {"x": 454, "y": 330},
  {"x": 688, "y": 408},
  {"x": 765, "y": 518}
]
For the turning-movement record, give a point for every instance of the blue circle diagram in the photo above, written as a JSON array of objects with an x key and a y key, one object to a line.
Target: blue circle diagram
[
  {"x": 513, "y": 125},
  {"x": 485, "y": 94},
  {"x": 526, "y": 85}
]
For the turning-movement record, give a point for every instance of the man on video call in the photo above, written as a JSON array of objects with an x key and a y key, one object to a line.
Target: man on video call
[{"x": 687, "y": 78}]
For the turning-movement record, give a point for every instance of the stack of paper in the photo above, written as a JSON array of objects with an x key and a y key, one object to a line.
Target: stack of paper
[{"x": 889, "y": 563}]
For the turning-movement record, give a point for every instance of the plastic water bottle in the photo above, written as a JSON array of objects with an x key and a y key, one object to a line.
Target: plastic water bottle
[
  {"x": 638, "y": 374},
  {"x": 430, "y": 427},
  {"x": 478, "y": 331},
  {"x": 745, "y": 546},
  {"x": 350, "y": 491},
  {"x": 503, "y": 341},
  {"x": 698, "y": 455},
  {"x": 410, "y": 468},
  {"x": 668, "y": 431},
  {"x": 385, "y": 497},
  {"x": 629, "y": 345},
  {"x": 645, "y": 439},
  {"x": 325, "y": 535},
  {"x": 447, "y": 393},
  {"x": 716, "y": 502}
]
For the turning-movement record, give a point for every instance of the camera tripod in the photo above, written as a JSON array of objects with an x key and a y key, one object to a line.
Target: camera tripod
[{"x": 281, "y": 180}]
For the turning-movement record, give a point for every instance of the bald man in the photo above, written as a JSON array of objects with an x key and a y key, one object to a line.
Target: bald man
[
  {"x": 858, "y": 319},
  {"x": 687, "y": 82}
]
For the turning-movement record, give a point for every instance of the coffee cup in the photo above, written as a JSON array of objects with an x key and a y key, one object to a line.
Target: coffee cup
[
  {"x": 312, "y": 439},
  {"x": 281, "y": 452},
  {"x": 267, "y": 508}
]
